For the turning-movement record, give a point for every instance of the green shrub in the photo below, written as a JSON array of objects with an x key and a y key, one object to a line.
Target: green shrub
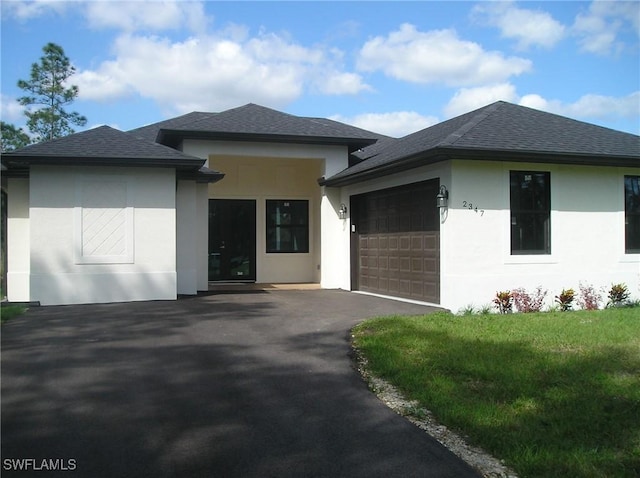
[
  {"x": 618, "y": 295},
  {"x": 565, "y": 299},
  {"x": 504, "y": 302}
]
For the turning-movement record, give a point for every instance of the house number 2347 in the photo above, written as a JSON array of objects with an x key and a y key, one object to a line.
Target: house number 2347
[{"x": 471, "y": 207}]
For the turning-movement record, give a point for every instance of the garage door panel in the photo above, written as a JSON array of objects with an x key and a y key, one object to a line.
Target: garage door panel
[
  {"x": 432, "y": 243},
  {"x": 405, "y": 265},
  {"x": 417, "y": 289},
  {"x": 383, "y": 264},
  {"x": 394, "y": 285},
  {"x": 405, "y": 288},
  {"x": 431, "y": 264}
]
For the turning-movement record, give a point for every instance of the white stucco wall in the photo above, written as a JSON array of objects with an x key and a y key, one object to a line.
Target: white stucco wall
[
  {"x": 587, "y": 234},
  {"x": 102, "y": 234},
  {"x": 587, "y": 231},
  {"x": 202, "y": 240},
  {"x": 335, "y": 241},
  {"x": 262, "y": 171},
  {"x": 186, "y": 238},
  {"x": 18, "y": 262}
]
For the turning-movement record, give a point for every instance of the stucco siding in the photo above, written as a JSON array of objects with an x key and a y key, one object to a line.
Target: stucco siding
[
  {"x": 335, "y": 241},
  {"x": 202, "y": 239},
  {"x": 187, "y": 238},
  {"x": 102, "y": 234},
  {"x": 18, "y": 262},
  {"x": 587, "y": 234}
]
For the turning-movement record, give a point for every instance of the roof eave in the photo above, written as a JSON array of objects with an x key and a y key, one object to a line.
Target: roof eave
[
  {"x": 26, "y": 160},
  {"x": 445, "y": 153},
  {"x": 201, "y": 177},
  {"x": 404, "y": 164},
  {"x": 172, "y": 138}
]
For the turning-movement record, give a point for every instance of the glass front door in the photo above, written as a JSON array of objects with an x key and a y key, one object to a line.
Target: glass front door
[{"x": 232, "y": 240}]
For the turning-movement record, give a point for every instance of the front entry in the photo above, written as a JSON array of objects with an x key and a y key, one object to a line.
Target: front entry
[{"x": 232, "y": 240}]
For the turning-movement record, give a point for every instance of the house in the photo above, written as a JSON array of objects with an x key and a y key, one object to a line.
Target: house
[{"x": 498, "y": 198}]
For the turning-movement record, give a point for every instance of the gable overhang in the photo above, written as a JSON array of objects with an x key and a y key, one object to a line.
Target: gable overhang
[
  {"x": 202, "y": 175},
  {"x": 173, "y": 138},
  {"x": 439, "y": 154},
  {"x": 17, "y": 166},
  {"x": 11, "y": 161}
]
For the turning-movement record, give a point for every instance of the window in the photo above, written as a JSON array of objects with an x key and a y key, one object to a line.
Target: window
[
  {"x": 287, "y": 226},
  {"x": 632, "y": 214},
  {"x": 530, "y": 212}
]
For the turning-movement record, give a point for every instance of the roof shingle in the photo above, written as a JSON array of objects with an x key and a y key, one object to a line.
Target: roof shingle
[
  {"x": 499, "y": 131},
  {"x": 252, "y": 122},
  {"x": 102, "y": 144}
]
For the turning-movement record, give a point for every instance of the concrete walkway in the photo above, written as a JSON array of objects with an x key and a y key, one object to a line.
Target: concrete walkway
[{"x": 253, "y": 384}]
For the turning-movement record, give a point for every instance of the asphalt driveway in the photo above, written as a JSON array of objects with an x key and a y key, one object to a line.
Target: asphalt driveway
[{"x": 256, "y": 384}]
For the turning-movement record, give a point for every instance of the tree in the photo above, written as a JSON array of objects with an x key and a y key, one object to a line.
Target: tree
[
  {"x": 48, "y": 94},
  {"x": 12, "y": 137}
]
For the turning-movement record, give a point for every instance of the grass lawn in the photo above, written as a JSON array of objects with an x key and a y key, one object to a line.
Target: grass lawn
[
  {"x": 8, "y": 312},
  {"x": 552, "y": 394}
]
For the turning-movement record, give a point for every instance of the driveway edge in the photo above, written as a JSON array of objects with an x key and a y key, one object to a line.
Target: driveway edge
[{"x": 487, "y": 465}]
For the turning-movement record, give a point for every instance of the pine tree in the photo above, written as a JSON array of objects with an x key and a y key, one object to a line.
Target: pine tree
[
  {"x": 12, "y": 137},
  {"x": 48, "y": 95}
]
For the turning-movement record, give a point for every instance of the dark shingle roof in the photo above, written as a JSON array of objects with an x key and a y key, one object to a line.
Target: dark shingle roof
[
  {"x": 500, "y": 131},
  {"x": 257, "y": 123},
  {"x": 106, "y": 146},
  {"x": 102, "y": 145},
  {"x": 150, "y": 132}
]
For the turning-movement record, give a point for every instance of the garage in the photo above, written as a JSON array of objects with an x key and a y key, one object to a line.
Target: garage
[{"x": 395, "y": 242}]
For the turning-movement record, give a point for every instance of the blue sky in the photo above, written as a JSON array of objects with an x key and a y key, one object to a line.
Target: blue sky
[{"x": 391, "y": 67}]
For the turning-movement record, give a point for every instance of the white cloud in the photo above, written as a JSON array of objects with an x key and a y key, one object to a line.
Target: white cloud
[
  {"x": 26, "y": 10},
  {"x": 468, "y": 99},
  {"x": 528, "y": 27},
  {"x": 599, "y": 29},
  {"x": 341, "y": 83},
  {"x": 214, "y": 72},
  {"x": 104, "y": 85},
  {"x": 10, "y": 110},
  {"x": 590, "y": 107},
  {"x": 437, "y": 56},
  {"x": 395, "y": 124},
  {"x": 536, "y": 102},
  {"x": 133, "y": 16}
]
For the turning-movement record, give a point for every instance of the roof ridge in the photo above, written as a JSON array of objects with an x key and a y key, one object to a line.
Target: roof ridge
[
  {"x": 477, "y": 117},
  {"x": 63, "y": 138},
  {"x": 205, "y": 116},
  {"x": 324, "y": 121}
]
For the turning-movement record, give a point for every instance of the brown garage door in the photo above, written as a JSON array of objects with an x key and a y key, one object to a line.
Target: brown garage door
[{"x": 396, "y": 242}]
